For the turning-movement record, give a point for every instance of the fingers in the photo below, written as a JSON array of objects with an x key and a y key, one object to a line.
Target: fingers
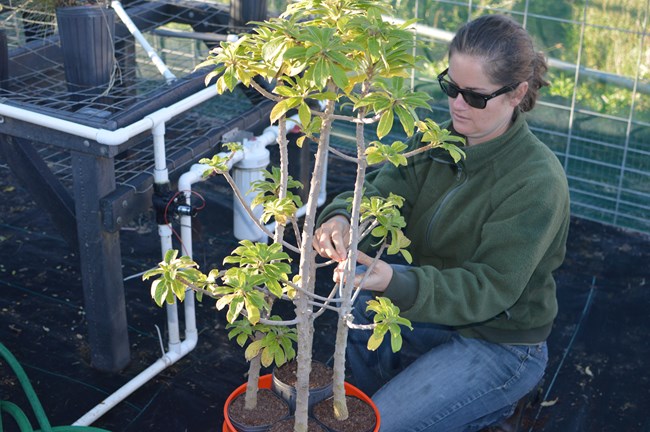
[
  {"x": 325, "y": 244},
  {"x": 339, "y": 271},
  {"x": 363, "y": 258},
  {"x": 375, "y": 280},
  {"x": 331, "y": 239}
]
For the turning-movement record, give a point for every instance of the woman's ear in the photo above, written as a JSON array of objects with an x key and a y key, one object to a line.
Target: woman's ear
[{"x": 519, "y": 93}]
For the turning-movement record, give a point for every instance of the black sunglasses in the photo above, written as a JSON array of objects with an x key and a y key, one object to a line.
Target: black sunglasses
[{"x": 473, "y": 99}]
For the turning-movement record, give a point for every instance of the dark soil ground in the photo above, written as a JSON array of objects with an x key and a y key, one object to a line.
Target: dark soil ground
[{"x": 597, "y": 379}]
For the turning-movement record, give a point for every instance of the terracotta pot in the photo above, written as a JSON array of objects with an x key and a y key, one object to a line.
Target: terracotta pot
[
  {"x": 289, "y": 422},
  {"x": 265, "y": 382}
]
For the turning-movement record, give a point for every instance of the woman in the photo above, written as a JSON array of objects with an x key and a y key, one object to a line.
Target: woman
[{"x": 486, "y": 235}]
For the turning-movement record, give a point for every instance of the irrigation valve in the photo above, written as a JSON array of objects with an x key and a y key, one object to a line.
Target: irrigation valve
[
  {"x": 168, "y": 204},
  {"x": 186, "y": 210}
]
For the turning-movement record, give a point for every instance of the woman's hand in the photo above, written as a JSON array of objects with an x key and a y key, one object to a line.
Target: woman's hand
[
  {"x": 331, "y": 239},
  {"x": 375, "y": 280}
]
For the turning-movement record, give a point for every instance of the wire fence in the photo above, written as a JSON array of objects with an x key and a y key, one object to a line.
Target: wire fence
[{"x": 595, "y": 116}]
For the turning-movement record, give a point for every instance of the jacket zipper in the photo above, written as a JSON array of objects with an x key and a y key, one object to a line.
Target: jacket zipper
[{"x": 447, "y": 197}]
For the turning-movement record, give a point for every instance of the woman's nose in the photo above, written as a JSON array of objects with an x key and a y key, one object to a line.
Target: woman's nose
[{"x": 459, "y": 102}]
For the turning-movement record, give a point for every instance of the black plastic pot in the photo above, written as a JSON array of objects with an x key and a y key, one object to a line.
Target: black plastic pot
[
  {"x": 244, "y": 11},
  {"x": 87, "y": 43},
  {"x": 4, "y": 60},
  {"x": 289, "y": 394}
]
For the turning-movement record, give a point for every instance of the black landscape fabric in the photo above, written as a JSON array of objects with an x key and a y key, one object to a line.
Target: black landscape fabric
[{"x": 597, "y": 378}]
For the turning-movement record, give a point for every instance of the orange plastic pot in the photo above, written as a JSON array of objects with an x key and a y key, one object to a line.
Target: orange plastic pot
[{"x": 265, "y": 382}]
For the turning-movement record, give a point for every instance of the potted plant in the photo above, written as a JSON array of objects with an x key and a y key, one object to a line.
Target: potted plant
[{"x": 332, "y": 61}]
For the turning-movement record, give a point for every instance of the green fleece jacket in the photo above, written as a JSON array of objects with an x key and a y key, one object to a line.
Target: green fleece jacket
[{"x": 486, "y": 235}]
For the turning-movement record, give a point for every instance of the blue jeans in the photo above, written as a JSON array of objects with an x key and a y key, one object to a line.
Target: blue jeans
[{"x": 441, "y": 381}]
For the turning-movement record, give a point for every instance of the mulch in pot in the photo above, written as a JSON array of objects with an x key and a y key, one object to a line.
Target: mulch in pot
[
  {"x": 320, "y": 375},
  {"x": 270, "y": 409},
  {"x": 361, "y": 416}
]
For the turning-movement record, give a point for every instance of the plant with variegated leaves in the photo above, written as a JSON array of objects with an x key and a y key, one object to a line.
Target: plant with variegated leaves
[{"x": 331, "y": 61}]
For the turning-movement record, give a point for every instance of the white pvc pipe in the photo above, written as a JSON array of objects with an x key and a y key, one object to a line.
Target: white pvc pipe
[
  {"x": 156, "y": 122},
  {"x": 447, "y": 36},
  {"x": 165, "y": 234},
  {"x": 139, "y": 380},
  {"x": 177, "y": 349},
  {"x": 423, "y": 30},
  {"x": 135, "y": 31},
  {"x": 104, "y": 136},
  {"x": 160, "y": 172}
]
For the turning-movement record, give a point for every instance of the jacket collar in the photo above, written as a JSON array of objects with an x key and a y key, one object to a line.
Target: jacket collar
[{"x": 478, "y": 155}]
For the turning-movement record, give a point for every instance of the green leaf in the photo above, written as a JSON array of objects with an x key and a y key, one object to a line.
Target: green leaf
[
  {"x": 252, "y": 311},
  {"x": 321, "y": 73},
  {"x": 230, "y": 79},
  {"x": 275, "y": 288},
  {"x": 253, "y": 350},
  {"x": 234, "y": 309},
  {"x": 304, "y": 114},
  {"x": 267, "y": 357},
  {"x": 375, "y": 341},
  {"x": 396, "y": 342},
  {"x": 242, "y": 338},
  {"x": 406, "y": 119},
  {"x": 280, "y": 357},
  {"x": 377, "y": 336},
  {"x": 279, "y": 110},
  {"x": 385, "y": 124},
  {"x": 339, "y": 76},
  {"x": 373, "y": 47},
  {"x": 296, "y": 52},
  {"x": 285, "y": 91},
  {"x": 158, "y": 292}
]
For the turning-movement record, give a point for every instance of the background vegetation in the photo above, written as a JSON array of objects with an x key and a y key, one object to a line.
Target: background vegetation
[{"x": 596, "y": 113}]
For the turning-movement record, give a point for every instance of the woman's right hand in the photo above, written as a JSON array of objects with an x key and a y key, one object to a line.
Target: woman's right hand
[{"x": 331, "y": 239}]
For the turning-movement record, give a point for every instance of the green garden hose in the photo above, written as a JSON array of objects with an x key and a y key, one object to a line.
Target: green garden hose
[{"x": 19, "y": 416}]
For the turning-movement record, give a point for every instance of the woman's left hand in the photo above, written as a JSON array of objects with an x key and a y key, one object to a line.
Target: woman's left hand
[{"x": 376, "y": 280}]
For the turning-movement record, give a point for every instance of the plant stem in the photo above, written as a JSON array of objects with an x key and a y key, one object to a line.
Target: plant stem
[
  {"x": 284, "y": 172},
  {"x": 250, "y": 401},
  {"x": 340, "y": 405},
  {"x": 307, "y": 271}
]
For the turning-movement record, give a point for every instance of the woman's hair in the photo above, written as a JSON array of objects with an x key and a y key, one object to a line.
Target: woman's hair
[{"x": 507, "y": 51}]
